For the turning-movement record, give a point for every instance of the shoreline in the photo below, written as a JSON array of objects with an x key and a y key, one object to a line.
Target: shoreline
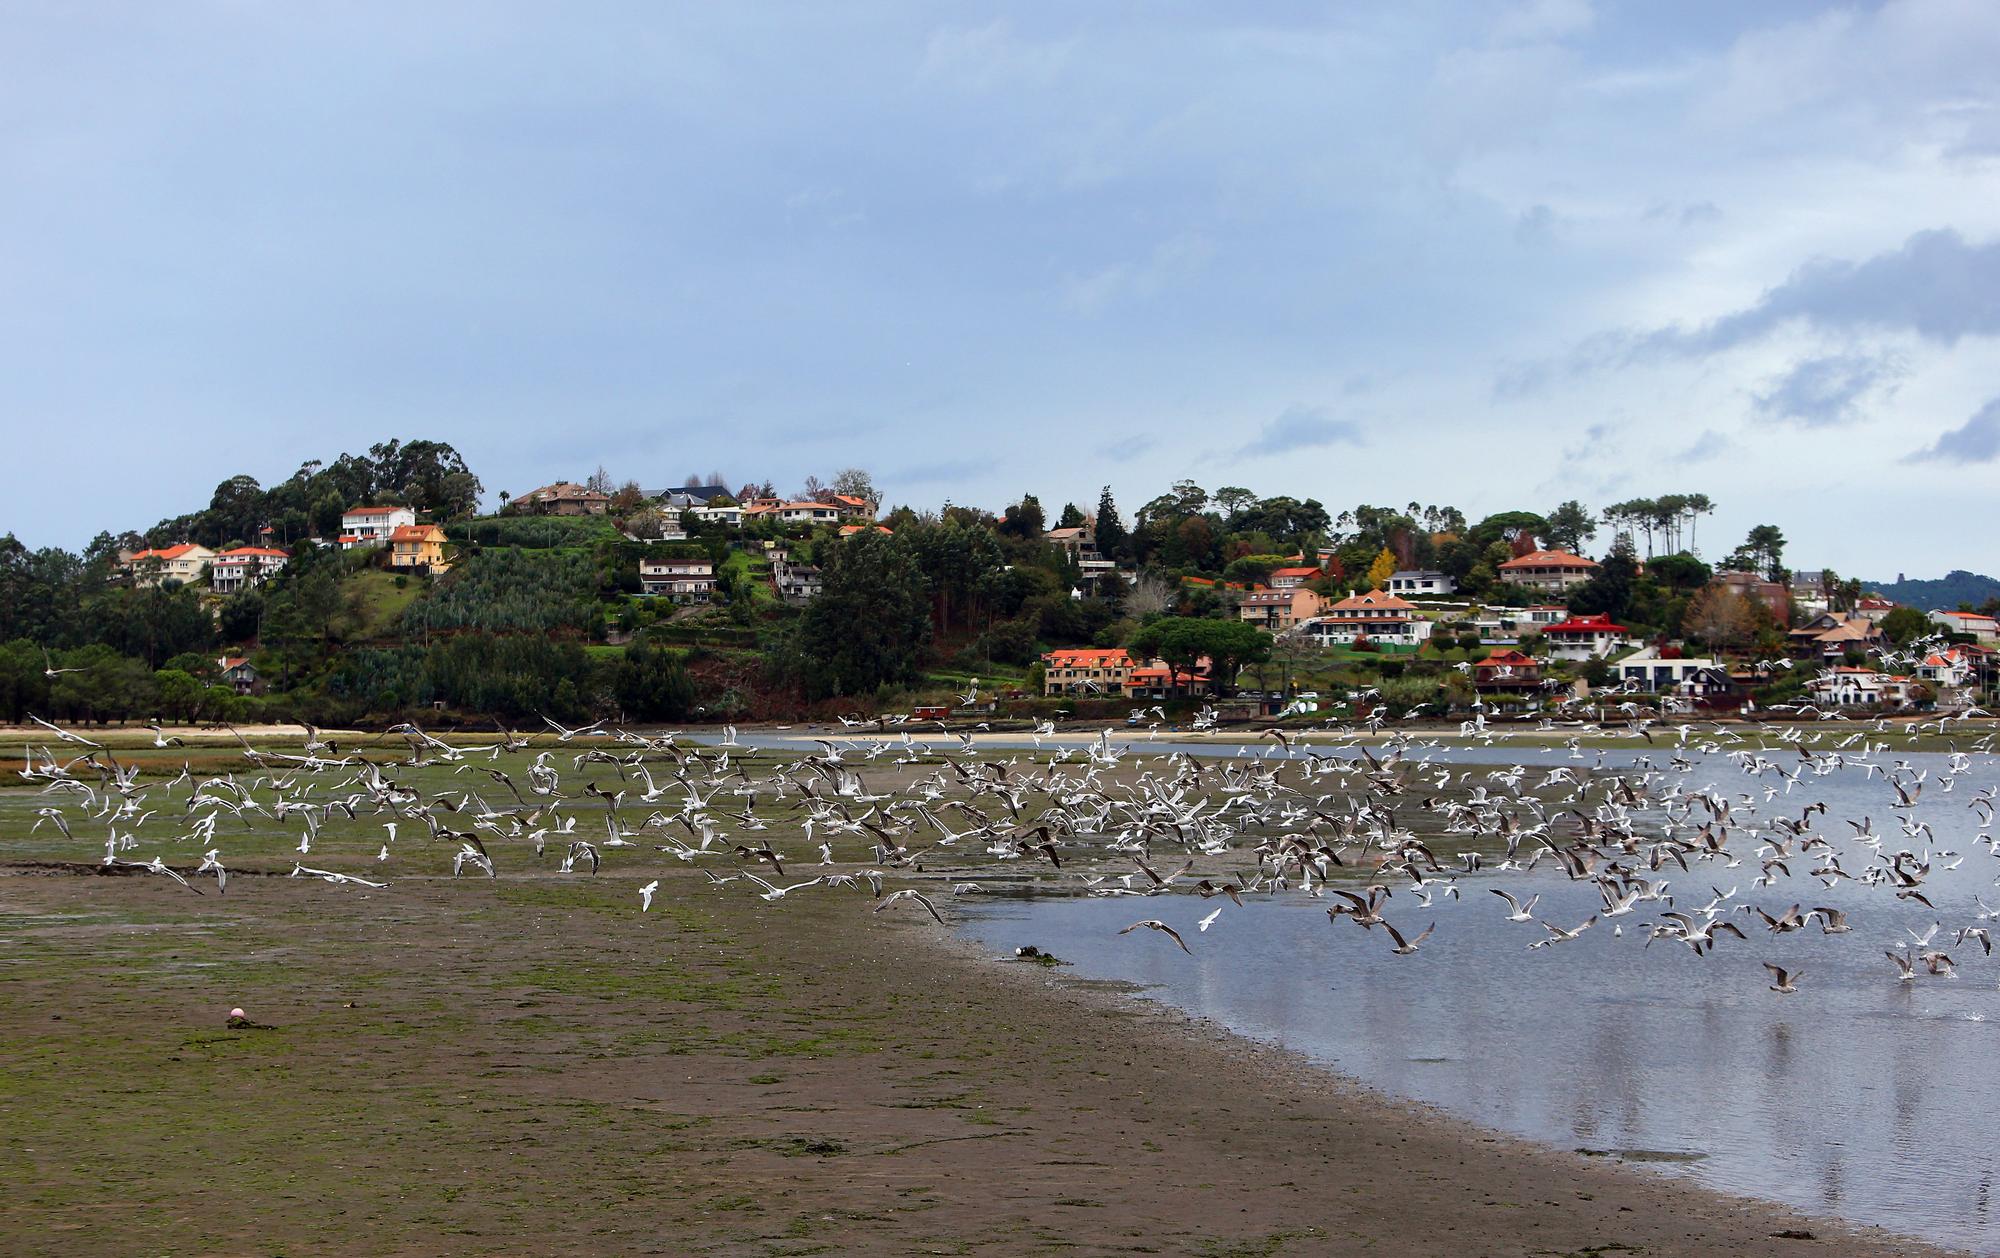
[
  {"x": 533, "y": 1066},
  {"x": 1656, "y": 1212}
]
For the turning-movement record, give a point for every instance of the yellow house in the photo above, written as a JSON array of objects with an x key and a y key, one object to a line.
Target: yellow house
[{"x": 418, "y": 546}]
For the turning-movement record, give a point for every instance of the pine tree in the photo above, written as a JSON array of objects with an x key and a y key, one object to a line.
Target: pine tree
[{"x": 1110, "y": 529}]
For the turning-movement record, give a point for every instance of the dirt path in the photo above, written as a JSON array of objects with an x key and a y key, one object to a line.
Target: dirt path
[{"x": 533, "y": 1066}]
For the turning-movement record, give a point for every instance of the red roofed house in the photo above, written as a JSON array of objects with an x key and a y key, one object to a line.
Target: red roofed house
[
  {"x": 418, "y": 546},
  {"x": 1374, "y": 615},
  {"x": 238, "y": 672},
  {"x": 371, "y": 526},
  {"x": 1982, "y": 628},
  {"x": 1553, "y": 570},
  {"x": 244, "y": 567},
  {"x": 1293, "y": 578},
  {"x": 1952, "y": 668},
  {"x": 851, "y": 507},
  {"x": 1507, "y": 669},
  {"x": 1157, "y": 681},
  {"x": 1086, "y": 672},
  {"x": 1585, "y": 637},
  {"x": 182, "y": 563},
  {"x": 1279, "y": 610}
]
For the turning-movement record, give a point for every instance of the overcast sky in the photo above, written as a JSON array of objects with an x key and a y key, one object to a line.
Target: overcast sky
[{"x": 1458, "y": 253}]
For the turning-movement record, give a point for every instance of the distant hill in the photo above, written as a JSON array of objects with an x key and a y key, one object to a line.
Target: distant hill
[{"x": 1948, "y": 591}]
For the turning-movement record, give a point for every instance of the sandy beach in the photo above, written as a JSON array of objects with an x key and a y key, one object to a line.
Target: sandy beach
[{"x": 533, "y": 1066}]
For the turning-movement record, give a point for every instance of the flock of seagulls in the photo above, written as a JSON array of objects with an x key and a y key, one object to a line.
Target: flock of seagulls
[{"x": 1368, "y": 820}]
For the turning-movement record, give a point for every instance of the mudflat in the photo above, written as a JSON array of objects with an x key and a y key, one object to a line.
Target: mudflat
[{"x": 532, "y": 1065}]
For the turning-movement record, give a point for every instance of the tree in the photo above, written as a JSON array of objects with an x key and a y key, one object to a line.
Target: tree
[
  {"x": 869, "y": 625},
  {"x": 1024, "y": 520},
  {"x": 1072, "y": 517},
  {"x": 1762, "y": 551},
  {"x": 652, "y": 684},
  {"x": 853, "y": 482},
  {"x": 1609, "y": 593},
  {"x": 1720, "y": 618},
  {"x": 1182, "y": 642},
  {"x": 1905, "y": 625},
  {"x": 1569, "y": 526},
  {"x": 1381, "y": 570},
  {"x": 600, "y": 481},
  {"x": 1110, "y": 529}
]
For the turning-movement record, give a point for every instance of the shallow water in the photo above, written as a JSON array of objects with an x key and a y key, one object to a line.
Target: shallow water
[{"x": 1859, "y": 1096}]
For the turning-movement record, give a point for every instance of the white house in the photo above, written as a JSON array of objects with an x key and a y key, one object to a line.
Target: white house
[
  {"x": 371, "y": 526},
  {"x": 1846, "y": 687},
  {"x": 1647, "y": 670},
  {"x": 731, "y": 516},
  {"x": 1375, "y": 615},
  {"x": 685, "y": 580},
  {"x": 1422, "y": 584},
  {"x": 1584, "y": 637},
  {"x": 244, "y": 567},
  {"x": 1982, "y": 628},
  {"x": 1950, "y": 669}
]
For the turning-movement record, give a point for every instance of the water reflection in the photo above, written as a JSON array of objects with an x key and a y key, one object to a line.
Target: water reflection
[{"x": 1858, "y": 1096}]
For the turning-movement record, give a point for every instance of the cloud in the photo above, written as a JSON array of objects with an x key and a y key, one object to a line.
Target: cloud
[
  {"x": 1710, "y": 445},
  {"x": 1538, "y": 20},
  {"x": 1171, "y": 262},
  {"x": 1302, "y": 428},
  {"x": 1822, "y": 392},
  {"x": 1937, "y": 285},
  {"x": 1977, "y": 440}
]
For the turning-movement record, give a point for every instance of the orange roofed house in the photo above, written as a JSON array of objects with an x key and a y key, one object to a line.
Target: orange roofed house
[
  {"x": 1552, "y": 570},
  {"x": 1507, "y": 669},
  {"x": 1376, "y": 616},
  {"x": 182, "y": 563},
  {"x": 1086, "y": 672},
  {"x": 418, "y": 546}
]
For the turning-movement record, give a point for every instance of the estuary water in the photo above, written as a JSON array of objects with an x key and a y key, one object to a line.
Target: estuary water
[{"x": 1860, "y": 1096}]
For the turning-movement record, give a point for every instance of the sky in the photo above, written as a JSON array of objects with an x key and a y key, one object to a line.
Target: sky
[{"x": 1481, "y": 254}]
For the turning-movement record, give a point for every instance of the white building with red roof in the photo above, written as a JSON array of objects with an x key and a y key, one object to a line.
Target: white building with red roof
[
  {"x": 1982, "y": 628},
  {"x": 371, "y": 526},
  {"x": 1292, "y": 578},
  {"x": 1552, "y": 570},
  {"x": 1951, "y": 668},
  {"x": 1586, "y": 637},
  {"x": 244, "y": 567},
  {"x": 1375, "y": 615}
]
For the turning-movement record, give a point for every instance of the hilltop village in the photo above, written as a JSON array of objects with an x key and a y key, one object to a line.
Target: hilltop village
[{"x": 381, "y": 587}]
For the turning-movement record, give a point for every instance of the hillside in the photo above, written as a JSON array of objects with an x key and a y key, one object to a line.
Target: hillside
[{"x": 1955, "y": 587}]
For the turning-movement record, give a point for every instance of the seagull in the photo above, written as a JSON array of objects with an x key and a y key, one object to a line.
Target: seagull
[
  {"x": 1208, "y": 921},
  {"x": 1163, "y": 928},
  {"x": 908, "y": 894},
  {"x": 646, "y": 895},
  {"x": 1520, "y": 912},
  {"x": 1403, "y": 948},
  {"x": 1784, "y": 981}
]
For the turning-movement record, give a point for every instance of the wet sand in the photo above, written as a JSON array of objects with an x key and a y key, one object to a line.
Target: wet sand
[{"x": 533, "y": 1066}]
